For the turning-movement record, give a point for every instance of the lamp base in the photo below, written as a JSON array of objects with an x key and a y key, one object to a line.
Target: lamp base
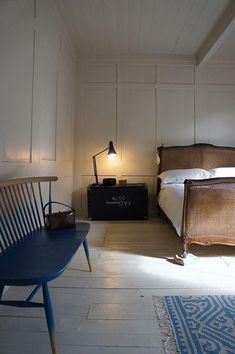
[{"x": 96, "y": 184}]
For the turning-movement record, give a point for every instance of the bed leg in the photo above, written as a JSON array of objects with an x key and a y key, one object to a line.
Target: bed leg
[
  {"x": 185, "y": 252},
  {"x": 185, "y": 257}
]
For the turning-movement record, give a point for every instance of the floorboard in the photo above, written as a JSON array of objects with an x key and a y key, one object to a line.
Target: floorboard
[{"x": 111, "y": 310}]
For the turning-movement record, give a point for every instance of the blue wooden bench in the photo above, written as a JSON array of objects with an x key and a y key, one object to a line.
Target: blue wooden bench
[{"x": 29, "y": 254}]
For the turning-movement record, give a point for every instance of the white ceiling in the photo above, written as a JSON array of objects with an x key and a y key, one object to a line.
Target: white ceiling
[{"x": 195, "y": 28}]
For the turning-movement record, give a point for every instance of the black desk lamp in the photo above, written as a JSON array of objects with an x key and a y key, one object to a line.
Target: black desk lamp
[{"x": 112, "y": 154}]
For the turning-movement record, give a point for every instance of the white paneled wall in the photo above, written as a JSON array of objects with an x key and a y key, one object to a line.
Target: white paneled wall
[
  {"x": 175, "y": 115},
  {"x": 99, "y": 103},
  {"x": 215, "y": 105},
  {"x": 37, "y": 93},
  {"x": 140, "y": 105},
  {"x": 137, "y": 130},
  {"x": 16, "y": 72}
]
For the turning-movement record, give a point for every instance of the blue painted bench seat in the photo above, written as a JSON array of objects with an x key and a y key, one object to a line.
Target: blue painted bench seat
[
  {"x": 31, "y": 255},
  {"x": 42, "y": 257}
]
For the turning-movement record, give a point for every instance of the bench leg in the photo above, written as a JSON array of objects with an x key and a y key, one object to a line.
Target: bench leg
[
  {"x": 1, "y": 291},
  {"x": 33, "y": 293},
  {"x": 49, "y": 316},
  {"x": 86, "y": 249}
]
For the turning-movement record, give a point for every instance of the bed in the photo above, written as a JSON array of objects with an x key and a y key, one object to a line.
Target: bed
[{"x": 200, "y": 207}]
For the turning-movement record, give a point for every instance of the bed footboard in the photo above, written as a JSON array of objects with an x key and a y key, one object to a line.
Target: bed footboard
[{"x": 209, "y": 212}]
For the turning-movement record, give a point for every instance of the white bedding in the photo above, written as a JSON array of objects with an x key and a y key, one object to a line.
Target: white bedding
[{"x": 171, "y": 200}]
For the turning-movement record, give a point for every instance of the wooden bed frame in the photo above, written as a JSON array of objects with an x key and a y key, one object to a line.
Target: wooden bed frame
[{"x": 209, "y": 205}]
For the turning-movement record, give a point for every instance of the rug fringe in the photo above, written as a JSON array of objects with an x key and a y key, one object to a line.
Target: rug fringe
[{"x": 168, "y": 338}]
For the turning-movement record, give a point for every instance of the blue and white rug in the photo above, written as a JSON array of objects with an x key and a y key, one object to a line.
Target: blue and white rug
[{"x": 197, "y": 324}]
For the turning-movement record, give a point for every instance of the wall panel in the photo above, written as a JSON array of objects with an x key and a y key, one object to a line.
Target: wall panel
[
  {"x": 99, "y": 125},
  {"x": 100, "y": 73},
  {"x": 138, "y": 73},
  {"x": 214, "y": 104},
  {"x": 66, "y": 106},
  {"x": 175, "y": 74},
  {"x": 16, "y": 72},
  {"x": 175, "y": 116},
  {"x": 138, "y": 130},
  {"x": 64, "y": 187},
  {"x": 47, "y": 76},
  {"x": 221, "y": 116},
  {"x": 66, "y": 116},
  {"x": 221, "y": 75}
]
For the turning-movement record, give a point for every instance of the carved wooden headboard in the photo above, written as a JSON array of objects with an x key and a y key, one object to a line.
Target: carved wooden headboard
[{"x": 195, "y": 156}]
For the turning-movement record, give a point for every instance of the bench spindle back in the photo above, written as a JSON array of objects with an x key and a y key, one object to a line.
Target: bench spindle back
[{"x": 21, "y": 208}]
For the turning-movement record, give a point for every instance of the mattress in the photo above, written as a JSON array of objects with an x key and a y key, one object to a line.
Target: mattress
[{"x": 171, "y": 201}]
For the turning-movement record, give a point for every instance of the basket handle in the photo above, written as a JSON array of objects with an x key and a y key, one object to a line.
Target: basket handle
[{"x": 49, "y": 203}]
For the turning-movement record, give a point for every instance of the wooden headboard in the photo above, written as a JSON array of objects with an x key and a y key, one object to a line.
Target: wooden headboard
[{"x": 195, "y": 156}]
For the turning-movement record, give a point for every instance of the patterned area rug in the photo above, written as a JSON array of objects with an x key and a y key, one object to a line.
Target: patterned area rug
[{"x": 197, "y": 324}]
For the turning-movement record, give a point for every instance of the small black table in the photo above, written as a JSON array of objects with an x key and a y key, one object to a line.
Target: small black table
[{"x": 119, "y": 202}]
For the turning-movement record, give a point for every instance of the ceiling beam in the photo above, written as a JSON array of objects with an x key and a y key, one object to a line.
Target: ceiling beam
[{"x": 224, "y": 26}]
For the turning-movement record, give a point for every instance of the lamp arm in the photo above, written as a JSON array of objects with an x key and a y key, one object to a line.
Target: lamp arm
[
  {"x": 100, "y": 152},
  {"x": 95, "y": 169},
  {"x": 95, "y": 166}
]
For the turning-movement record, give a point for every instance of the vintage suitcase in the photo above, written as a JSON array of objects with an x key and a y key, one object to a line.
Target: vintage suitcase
[{"x": 119, "y": 202}]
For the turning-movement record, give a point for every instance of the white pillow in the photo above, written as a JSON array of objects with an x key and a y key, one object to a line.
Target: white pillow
[
  {"x": 223, "y": 172},
  {"x": 179, "y": 176}
]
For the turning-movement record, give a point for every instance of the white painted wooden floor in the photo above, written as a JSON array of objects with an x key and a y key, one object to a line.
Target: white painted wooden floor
[{"x": 111, "y": 310}]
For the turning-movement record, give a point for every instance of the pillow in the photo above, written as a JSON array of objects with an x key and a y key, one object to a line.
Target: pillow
[
  {"x": 179, "y": 176},
  {"x": 223, "y": 172}
]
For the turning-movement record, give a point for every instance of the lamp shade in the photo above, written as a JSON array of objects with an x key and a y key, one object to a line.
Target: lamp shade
[{"x": 111, "y": 151}]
